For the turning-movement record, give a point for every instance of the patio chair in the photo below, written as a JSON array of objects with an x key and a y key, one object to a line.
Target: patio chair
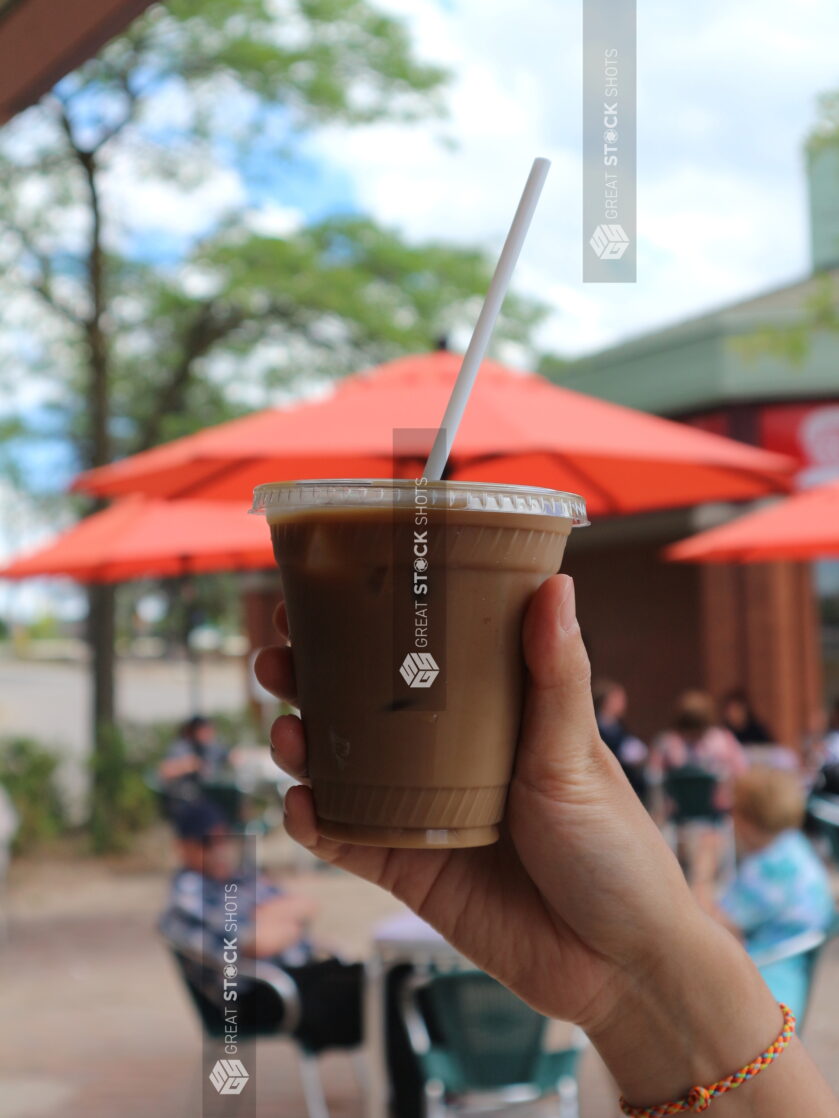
[
  {"x": 691, "y": 792},
  {"x": 489, "y": 1051},
  {"x": 202, "y": 978},
  {"x": 824, "y": 809},
  {"x": 808, "y": 945}
]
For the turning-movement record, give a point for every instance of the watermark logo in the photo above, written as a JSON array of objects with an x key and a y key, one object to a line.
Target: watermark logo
[
  {"x": 609, "y": 174},
  {"x": 419, "y": 669},
  {"x": 229, "y": 1077},
  {"x": 609, "y": 242},
  {"x": 421, "y": 542}
]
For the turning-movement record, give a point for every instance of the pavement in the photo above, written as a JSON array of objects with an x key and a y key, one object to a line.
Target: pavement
[{"x": 98, "y": 1025}]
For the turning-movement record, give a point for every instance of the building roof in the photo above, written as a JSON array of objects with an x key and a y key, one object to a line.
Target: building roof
[
  {"x": 704, "y": 362},
  {"x": 42, "y": 40}
]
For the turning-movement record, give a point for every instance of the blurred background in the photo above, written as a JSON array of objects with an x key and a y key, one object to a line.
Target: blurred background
[{"x": 213, "y": 207}]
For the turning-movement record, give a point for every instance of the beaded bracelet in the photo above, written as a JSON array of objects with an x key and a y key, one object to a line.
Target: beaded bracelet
[{"x": 700, "y": 1098}]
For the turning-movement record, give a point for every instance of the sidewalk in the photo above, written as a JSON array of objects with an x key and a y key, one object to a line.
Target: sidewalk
[{"x": 97, "y": 1024}]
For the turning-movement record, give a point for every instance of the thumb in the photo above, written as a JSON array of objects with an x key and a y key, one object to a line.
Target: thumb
[{"x": 560, "y": 743}]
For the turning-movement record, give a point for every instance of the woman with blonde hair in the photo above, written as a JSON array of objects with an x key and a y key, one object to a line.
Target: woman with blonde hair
[{"x": 780, "y": 888}]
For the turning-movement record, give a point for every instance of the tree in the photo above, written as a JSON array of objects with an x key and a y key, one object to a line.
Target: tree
[
  {"x": 553, "y": 366},
  {"x": 129, "y": 344},
  {"x": 791, "y": 341}
]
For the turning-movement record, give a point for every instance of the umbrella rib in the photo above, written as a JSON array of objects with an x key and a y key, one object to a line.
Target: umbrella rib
[
  {"x": 215, "y": 475},
  {"x": 608, "y": 499},
  {"x": 766, "y": 477},
  {"x": 595, "y": 487}
]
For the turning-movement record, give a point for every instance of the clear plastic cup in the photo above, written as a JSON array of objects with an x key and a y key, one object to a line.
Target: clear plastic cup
[{"x": 405, "y": 603}]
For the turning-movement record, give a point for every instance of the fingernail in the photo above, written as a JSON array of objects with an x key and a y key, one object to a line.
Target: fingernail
[{"x": 568, "y": 608}]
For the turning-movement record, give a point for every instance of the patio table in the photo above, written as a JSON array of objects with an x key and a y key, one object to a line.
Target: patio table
[{"x": 403, "y": 938}]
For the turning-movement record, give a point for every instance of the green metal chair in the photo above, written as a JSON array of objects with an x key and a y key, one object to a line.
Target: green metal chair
[
  {"x": 808, "y": 945},
  {"x": 487, "y": 1051},
  {"x": 203, "y": 978},
  {"x": 691, "y": 792},
  {"x": 825, "y": 810}
]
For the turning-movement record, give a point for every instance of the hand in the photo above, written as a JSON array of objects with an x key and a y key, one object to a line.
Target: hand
[
  {"x": 580, "y": 907},
  {"x": 580, "y": 890}
]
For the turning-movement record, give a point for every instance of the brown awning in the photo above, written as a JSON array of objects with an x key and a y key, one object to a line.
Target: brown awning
[{"x": 42, "y": 40}]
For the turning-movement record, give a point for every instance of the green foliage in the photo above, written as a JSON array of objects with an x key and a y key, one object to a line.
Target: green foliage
[
  {"x": 791, "y": 342},
  {"x": 131, "y": 753},
  {"x": 128, "y": 804},
  {"x": 330, "y": 299},
  {"x": 552, "y": 366},
  {"x": 124, "y": 803},
  {"x": 825, "y": 134},
  {"x": 190, "y": 346},
  {"x": 45, "y": 627},
  {"x": 127, "y": 349},
  {"x": 27, "y": 772}
]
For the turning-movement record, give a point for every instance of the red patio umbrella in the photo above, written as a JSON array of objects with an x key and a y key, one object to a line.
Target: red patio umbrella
[
  {"x": 518, "y": 428},
  {"x": 139, "y": 538},
  {"x": 803, "y": 527}
]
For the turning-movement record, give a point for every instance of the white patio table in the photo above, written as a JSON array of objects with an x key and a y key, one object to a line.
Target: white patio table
[{"x": 403, "y": 938}]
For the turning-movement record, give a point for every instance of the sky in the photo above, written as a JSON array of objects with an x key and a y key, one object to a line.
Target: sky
[{"x": 726, "y": 94}]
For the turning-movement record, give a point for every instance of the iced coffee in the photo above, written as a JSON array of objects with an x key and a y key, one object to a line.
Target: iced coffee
[{"x": 405, "y": 604}]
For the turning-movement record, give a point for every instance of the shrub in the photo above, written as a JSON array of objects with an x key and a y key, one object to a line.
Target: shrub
[{"x": 27, "y": 772}]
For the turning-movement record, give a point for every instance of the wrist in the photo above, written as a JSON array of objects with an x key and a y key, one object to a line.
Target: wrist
[{"x": 695, "y": 1014}]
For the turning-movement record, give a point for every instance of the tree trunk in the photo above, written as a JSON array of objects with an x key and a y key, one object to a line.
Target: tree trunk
[
  {"x": 101, "y": 637},
  {"x": 107, "y": 756},
  {"x": 108, "y": 761}
]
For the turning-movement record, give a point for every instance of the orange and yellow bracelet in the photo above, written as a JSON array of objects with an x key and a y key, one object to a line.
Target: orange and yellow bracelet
[{"x": 700, "y": 1098}]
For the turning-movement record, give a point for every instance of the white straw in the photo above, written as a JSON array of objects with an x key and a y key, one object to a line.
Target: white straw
[{"x": 486, "y": 321}]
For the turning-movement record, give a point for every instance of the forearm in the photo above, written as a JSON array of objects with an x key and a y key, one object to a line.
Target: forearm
[
  {"x": 705, "y": 894},
  {"x": 700, "y": 1014}
]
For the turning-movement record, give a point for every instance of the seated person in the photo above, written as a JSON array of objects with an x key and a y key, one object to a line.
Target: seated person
[
  {"x": 272, "y": 925},
  {"x": 195, "y": 755},
  {"x": 693, "y": 740},
  {"x": 739, "y": 718},
  {"x": 610, "y": 703},
  {"x": 195, "y": 758},
  {"x": 780, "y": 888}
]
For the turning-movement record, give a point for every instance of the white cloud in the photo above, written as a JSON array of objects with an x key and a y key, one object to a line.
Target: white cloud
[
  {"x": 726, "y": 94},
  {"x": 274, "y": 220},
  {"x": 142, "y": 204}
]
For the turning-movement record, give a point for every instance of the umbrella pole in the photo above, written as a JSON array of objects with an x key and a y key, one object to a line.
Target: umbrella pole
[
  {"x": 195, "y": 682},
  {"x": 191, "y": 619}
]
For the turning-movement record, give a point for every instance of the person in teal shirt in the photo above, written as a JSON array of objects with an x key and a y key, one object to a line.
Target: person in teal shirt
[{"x": 780, "y": 888}]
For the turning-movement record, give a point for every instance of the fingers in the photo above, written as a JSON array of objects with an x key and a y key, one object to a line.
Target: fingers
[
  {"x": 288, "y": 746},
  {"x": 368, "y": 862},
  {"x": 274, "y": 668},
  {"x": 560, "y": 741}
]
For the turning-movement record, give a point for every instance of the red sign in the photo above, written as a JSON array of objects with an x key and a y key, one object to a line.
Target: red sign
[{"x": 807, "y": 432}]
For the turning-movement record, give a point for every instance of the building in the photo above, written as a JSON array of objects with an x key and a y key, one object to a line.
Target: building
[
  {"x": 755, "y": 370},
  {"x": 42, "y": 40}
]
